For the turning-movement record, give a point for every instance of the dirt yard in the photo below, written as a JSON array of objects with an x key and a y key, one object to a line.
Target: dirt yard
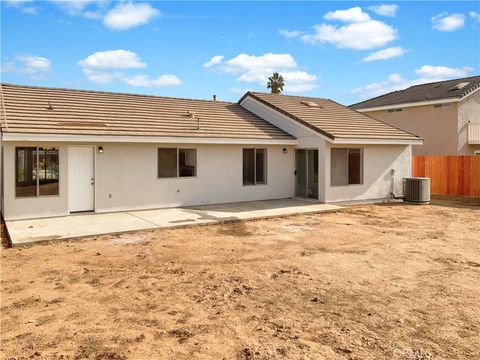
[{"x": 372, "y": 282}]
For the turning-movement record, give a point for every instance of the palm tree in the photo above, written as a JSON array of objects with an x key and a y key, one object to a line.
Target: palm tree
[{"x": 276, "y": 83}]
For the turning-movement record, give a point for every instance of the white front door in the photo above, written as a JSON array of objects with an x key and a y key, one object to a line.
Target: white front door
[{"x": 81, "y": 178}]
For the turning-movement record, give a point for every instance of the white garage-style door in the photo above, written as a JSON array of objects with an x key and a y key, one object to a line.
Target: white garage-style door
[{"x": 81, "y": 178}]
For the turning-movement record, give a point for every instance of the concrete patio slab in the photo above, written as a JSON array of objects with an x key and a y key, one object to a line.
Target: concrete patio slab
[{"x": 27, "y": 232}]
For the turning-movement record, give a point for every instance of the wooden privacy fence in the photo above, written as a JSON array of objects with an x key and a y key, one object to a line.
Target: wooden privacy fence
[{"x": 450, "y": 175}]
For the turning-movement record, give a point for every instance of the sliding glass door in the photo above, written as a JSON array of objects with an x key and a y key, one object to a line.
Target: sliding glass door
[{"x": 306, "y": 182}]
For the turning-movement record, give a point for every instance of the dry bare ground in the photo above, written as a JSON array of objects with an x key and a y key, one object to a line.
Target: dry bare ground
[{"x": 372, "y": 282}]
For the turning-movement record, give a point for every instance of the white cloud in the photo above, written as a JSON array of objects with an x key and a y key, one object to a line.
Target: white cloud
[
  {"x": 105, "y": 67},
  {"x": 237, "y": 90},
  {"x": 354, "y": 14},
  {"x": 161, "y": 81},
  {"x": 22, "y": 5},
  {"x": 394, "y": 82},
  {"x": 389, "y": 10},
  {"x": 76, "y": 7},
  {"x": 35, "y": 67},
  {"x": 358, "y": 36},
  {"x": 16, "y": 2},
  {"x": 94, "y": 15},
  {"x": 257, "y": 69},
  {"x": 102, "y": 76},
  {"x": 443, "y": 72},
  {"x": 446, "y": 22},
  {"x": 213, "y": 61},
  {"x": 474, "y": 15},
  {"x": 128, "y": 15},
  {"x": 29, "y": 10},
  {"x": 385, "y": 54},
  {"x": 299, "y": 81},
  {"x": 33, "y": 64},
  {"x": 290, "y": 34},
  {"x": 112, "y": 59},
  {"x": 359, "y": 33}
]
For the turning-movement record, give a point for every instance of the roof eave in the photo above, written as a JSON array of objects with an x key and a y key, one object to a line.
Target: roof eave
[
  {"x": 405, "y": 105},
  {"x": 37, "y": 137},
  {"x": 356, "y": 141}
]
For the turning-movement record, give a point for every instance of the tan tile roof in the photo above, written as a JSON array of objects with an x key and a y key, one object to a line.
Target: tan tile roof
[
  {"x": 331, "y": 119},
  {"x": 42, "y": 110},
  {"x": 449, "y": 89}
]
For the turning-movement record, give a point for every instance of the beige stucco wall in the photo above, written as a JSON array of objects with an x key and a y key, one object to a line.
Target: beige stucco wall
[
  {"x": 307, "y": 138},
  {"x": 468, "y": 111},
  {"x": 129, "y": 173},
  {"x": 437, "y": 127},
  {"x": 378, "y": 161},
  {"x": 444, "y": 130}
]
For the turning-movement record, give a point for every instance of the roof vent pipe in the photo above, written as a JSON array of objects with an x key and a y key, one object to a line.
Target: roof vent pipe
[{"x": 214, "y": 97}]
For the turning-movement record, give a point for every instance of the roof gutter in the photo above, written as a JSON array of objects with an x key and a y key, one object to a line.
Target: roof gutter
[
  {"x": 412, "y": 104},
  {"x": 350, "y": 141},
  {"x": 28, "y": 137}
]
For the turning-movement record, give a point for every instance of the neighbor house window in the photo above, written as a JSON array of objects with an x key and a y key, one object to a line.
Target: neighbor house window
[
  {"x": 174, "y": 162},
  {"x": 394, "y": 110},
  {"x": 444, "y": 105},
  {"x": 346, "y": 166},
  {"x": 36, "y": 171},
  {"x": 254, "y": 166}
]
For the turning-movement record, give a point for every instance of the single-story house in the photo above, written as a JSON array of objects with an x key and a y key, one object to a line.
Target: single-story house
[
  {"x": 446, "y": 114},
  {"x": 66, "y": 151}
]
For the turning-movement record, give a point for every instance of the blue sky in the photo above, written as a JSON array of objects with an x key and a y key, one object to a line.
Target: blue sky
[{"x": 346, "y": 51}]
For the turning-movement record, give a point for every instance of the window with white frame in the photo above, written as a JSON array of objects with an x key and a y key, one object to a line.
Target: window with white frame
[
  {"x": 254, "y": 166},
  {"x": 175, "y": 162},
  {"x": 346, "y": 166}
]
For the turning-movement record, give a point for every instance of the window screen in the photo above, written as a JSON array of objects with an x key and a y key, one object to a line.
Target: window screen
[
  {"x": 338, "y": 167},
  {"x": 167, "y": 162},
  {"x": 260, "y": 166},
  {"x": 254, "y": 166},
  {"x": 248, "y": 166},
  {"x": 187, "y": 162},
  {"x": 354, "y": 166},
  {"x": 346, "y": 167}
]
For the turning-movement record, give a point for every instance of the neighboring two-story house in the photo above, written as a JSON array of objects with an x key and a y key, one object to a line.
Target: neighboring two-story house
[{"x": 445, "y": 114}]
